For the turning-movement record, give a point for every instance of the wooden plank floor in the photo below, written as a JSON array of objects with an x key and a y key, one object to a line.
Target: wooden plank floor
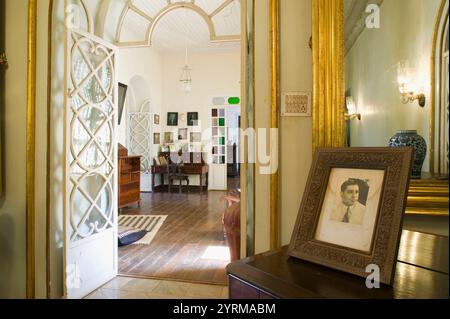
[{"x": 194, "y": 223}]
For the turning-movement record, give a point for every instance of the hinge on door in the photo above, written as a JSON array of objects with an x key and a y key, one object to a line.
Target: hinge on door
[{"x": 3, "y": 59}]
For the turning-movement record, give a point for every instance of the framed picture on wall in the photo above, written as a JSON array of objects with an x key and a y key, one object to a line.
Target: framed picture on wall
[
  {"x": 123, "y": 88},
  {"x": 352, "y": 209},
  {"x": 168, "y": 137},
  {"x": 192, "y": 119},
  {"x": 183, "y": 134},
  {"x": 172, "y": 119},
  {"x": 196, "y": 137},
  {"x": 156, "y": 119},
  {"x": 156, "y": 138}
]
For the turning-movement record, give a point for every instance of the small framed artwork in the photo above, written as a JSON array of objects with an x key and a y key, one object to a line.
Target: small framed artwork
[
  {"x": 183, "y": 134},
  {"x": 168, "y": 137},
  {"x": 352, "y": 209},
  {"x": 156, "y": 138},
  {"x": 172, "y": 119},
  {"x": 156, "y": 119},
  {"x": 192, "y": 119},
  {"x": 296, "y": 104},
  {"x": 196, "y": 137}
]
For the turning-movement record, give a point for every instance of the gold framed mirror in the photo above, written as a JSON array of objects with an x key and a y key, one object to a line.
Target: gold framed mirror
[{"x": 333, "y": 39}]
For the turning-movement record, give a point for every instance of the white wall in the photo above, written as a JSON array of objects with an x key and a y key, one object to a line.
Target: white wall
[
  {"x": 262, "y": 120},
  {"x": 13, "y": 203},
  {"x": 41, "y": 150},
  {"x": 296, "y": 132},
  {"x": 406, "y": 33},
  {"x": 147, "y": 64},
  {"x": 57, "y": 152},
  {"x": 213, "y": 75}
]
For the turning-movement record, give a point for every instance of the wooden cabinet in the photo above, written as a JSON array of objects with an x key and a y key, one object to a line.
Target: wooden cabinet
[
  {"x": 422, "y": 273},
  {"x": 129, "y": 180}
]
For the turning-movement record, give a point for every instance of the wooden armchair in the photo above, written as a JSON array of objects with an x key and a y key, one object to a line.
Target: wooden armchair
[{"x": 174, "y": 174}]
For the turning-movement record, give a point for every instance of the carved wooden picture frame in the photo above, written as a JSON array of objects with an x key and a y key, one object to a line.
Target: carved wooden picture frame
[{"x": 352, "y": 210}]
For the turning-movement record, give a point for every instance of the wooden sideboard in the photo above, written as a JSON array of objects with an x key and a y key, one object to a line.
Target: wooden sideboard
[
  {"x": 129, "y": 179},
  {"x": 422, "y": 272}
]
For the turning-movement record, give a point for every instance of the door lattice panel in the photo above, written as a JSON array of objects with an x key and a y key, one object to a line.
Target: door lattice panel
[
  {"x": 140, "y": 138},
  {"x": 91, "y": 147}
]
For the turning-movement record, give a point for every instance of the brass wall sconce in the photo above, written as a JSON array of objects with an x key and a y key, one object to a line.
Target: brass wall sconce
[
  {"x": 352, "y": 113},
  {"x": 407, "y": 92},
  {"x": 3, "y": 59}
]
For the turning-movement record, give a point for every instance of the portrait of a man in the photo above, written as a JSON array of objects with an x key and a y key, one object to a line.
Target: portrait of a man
[
  {"x": 350, "y": 207},
  {"x": 350, "y": 210}
]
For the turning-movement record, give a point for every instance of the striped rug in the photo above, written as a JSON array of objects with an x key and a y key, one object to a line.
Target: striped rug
[{"x": 149, "y": 223}]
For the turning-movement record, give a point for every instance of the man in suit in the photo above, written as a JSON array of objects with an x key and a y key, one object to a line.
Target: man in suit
[{"x": 349, "y": 210}]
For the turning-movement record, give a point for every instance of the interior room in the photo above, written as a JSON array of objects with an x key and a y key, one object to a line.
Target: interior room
[
  {"x": 178, "y": 139},
  {"x": 224, "y": 149}
]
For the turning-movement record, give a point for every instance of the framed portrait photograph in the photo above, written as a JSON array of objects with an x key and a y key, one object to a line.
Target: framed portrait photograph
[
  {"x": 156, "y": 119},
  {"x": 156, "y": 138},
  {"x": 352, "y": 210},
  {"x": 172, "y": 119},
  {"x": 192, "y": 118}
]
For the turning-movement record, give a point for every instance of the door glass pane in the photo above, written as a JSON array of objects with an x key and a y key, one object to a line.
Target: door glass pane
[{"x": 92, "y": 119}]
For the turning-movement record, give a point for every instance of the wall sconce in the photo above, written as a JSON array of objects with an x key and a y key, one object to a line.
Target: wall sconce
[
  {"x": 405, "y": 87},
  {"x": 3, "y": 59},
  {"x": 351, "y": 110}
]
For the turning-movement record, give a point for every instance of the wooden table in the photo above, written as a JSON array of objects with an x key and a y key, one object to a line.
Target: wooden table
[
  {"x": 186, "y": 169},
  {"x": 422, "y": 272}
]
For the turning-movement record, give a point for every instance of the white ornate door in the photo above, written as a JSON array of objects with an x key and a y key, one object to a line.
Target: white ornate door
[{"x": 91, "y": 164}]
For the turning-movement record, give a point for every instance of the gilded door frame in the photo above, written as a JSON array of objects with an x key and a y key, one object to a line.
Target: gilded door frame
[
  {"x": 275, "y": 119},
  {"x": 441, "y": 19},
  {"x": 328, "y": 73},
  {"x": 31, "y": 150}
]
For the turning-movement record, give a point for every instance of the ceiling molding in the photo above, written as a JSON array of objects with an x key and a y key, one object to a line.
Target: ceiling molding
[
  {"x": 147, "y": 16},
  {"x": 355, "y": 20}
]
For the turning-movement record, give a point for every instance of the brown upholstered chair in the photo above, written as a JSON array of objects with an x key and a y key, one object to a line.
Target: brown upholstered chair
[{"x": 232, "y": 223}]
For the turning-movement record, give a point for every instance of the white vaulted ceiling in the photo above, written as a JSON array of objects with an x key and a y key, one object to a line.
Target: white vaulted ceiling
[{"x": 206, "y": 25}]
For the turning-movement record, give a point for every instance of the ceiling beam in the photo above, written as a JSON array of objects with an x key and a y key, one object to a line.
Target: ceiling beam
[
  {"x": 220, "y": 8},
  {"x": 141, "y": 13}
]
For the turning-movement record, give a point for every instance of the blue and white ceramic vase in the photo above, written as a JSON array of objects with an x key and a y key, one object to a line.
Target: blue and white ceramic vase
[{"x": 412, "y": 139}]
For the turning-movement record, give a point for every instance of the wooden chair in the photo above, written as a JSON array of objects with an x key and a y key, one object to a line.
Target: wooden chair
[{"x": 174, "y": 174}]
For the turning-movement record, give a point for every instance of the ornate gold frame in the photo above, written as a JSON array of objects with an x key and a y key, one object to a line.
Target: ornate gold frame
[
  {"x": 426, "y": 197},
  {"x": 31, "y": 150},
  {"x": 328, "y": 73},
  {"x": 274, "y": 118},
  {"x": 436, "y": 41}
]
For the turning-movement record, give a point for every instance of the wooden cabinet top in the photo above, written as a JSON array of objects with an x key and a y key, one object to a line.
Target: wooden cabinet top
[{"x": 421, "y": 272}]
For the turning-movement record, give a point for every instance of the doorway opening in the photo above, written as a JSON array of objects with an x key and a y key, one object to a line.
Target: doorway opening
[{"x": 179, "y": 136}]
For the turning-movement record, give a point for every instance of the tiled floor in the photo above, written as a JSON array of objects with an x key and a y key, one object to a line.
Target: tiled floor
[{"x": 133, "y": 288}]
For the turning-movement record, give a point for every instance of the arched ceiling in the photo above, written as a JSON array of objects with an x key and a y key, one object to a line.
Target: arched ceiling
[{"x": 206, "y": 25}]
